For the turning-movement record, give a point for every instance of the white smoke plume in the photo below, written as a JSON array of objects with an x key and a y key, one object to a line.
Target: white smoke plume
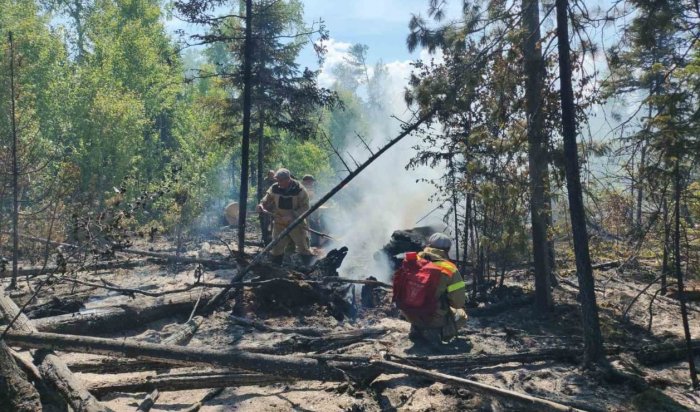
[{"x": 386, "y": 196}]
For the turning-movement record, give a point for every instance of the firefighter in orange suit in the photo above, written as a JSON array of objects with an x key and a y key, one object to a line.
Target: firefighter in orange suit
[{"x": 442, "y": 324}]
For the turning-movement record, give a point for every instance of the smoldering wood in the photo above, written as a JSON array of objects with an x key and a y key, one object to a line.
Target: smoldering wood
[
  {"x": 183, "y": 380},
  {"x": 135, "y": 314},
  {"x": 148, "y": 402},
  {"x": 286, "y": 366},
  {"x": 16, "y": 392},
  {"x": 53, "y": 370},
  {"x": 220, "y": 297}
]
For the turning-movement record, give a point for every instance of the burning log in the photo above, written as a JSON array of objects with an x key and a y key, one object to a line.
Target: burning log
[
  {"x": 16, "y": 393},
  {"x": 179, "y": 381},
  {"x": 52, "y": 368},
  {"x": 109, "y": 319}
]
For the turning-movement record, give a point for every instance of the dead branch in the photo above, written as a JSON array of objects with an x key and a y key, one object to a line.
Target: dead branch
[
  {"x": 209, "y": 396},
  {"x": 148, "y": 401}
]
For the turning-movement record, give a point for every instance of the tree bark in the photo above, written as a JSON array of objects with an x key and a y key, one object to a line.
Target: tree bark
[
  {"x": 104, "y": 320},
  {"x": 52, "y": 368},
  {"x": 16, "y": 392},
  {"x": 665, "y": 269},
  {"x": 245, "y": 143},
  {"x": 593, "y": 339},
  {"x": 537, "y": 152},
  {"x": 679, "y": 273}
]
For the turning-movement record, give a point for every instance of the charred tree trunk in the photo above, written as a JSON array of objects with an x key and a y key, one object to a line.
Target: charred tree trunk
[
  {"x": 537, "y": 152},
  {"x": 15, "y": 168},
  {"x": 16, "y": 393},
  {"x": 53, "y": 369},
  {"x": 679, "y": 274},
  {"x": 245, "y": 144},
  {"x": 593, "y": 339}
]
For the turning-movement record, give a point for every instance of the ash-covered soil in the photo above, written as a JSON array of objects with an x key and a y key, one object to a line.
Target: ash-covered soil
[{"x": 664, "y": 387}]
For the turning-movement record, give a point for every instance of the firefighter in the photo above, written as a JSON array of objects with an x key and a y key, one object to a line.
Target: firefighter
[
  {"x": 285, "y": 201},
  {"x": 441, "y": 323}
]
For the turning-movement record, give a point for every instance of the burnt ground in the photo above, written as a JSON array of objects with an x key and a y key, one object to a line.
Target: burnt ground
[{"x": 664, "y": 387}]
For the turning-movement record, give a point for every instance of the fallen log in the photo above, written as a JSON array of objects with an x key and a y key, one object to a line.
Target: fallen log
[
  {"x": 666, "y": 352},
  {"x": 179, "y": 259},
  {"x": 179, "y": 381},
  {"x": 16, "y": 392},
  {"x": 280, "y": 366},
  {"x": 51, "y": 367},
  {"x": 109, "y": 319},
  {"x": 477, "y": 387},
  {"x": 149, "y": 401},
  {"x": 606, "y": 265},
  {"x": 32, "y": 272}
]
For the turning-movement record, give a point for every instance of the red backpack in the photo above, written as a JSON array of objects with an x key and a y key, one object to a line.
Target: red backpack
[{"x": 415, "y": 285}]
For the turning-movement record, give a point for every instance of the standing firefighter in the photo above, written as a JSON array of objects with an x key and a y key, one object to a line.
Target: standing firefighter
[
  {"x": 431, "y": 293},
  {"x": 285, "y": 201}
]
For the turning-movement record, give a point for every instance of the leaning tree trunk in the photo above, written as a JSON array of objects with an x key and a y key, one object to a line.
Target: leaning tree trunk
[
  {"x": 245, "y": 144},
  {"x": 592, "y": 337},
  {"x": 679, "y": 273},
  {"x": 537, "y": 151}
]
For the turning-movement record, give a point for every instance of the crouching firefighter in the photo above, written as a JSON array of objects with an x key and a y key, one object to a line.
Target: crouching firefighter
[
  {"x": 285, "y": 201},
  {"x": 430, "y": 292}
]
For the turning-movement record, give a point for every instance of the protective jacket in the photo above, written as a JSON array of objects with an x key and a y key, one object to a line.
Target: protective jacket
[
  {"x": 286, "y": 205},
  {"x": 450, "y": 292}
]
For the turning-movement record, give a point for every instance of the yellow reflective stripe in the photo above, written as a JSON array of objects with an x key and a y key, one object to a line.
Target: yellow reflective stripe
[
  {"x": 456, "y": 286},
  {"x": 447, "y": 266}
]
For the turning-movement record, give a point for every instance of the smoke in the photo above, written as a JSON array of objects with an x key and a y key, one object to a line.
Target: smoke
[{"x": 386, "y": 196}]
